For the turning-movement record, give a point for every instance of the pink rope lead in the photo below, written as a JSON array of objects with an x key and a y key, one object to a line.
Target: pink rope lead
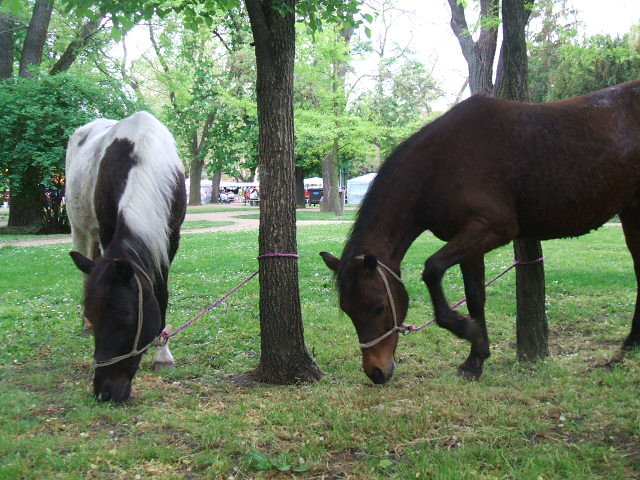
[
  {"x": 411, "y": 328},
  {"x": 165, "y": 336}
]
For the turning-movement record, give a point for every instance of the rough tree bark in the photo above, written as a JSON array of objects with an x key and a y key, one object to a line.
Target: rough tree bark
[
  {"x": 284, "y": 358},
  {"x": 6, "y": 46},
  {"x": 511, "y": 83},
  {"x": 479, "y": 54},
  {"x": 36, "y": 37}
]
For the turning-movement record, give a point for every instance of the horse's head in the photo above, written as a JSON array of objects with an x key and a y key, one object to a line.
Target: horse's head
[
  {"x": 114, "y": 291},
  {"x": 376, "y": 300}
]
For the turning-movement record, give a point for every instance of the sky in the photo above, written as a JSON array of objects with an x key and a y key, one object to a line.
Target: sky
[{"x": 425, "y": 28}]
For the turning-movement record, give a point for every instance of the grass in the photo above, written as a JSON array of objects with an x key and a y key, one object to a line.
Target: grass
[
  {"x": 562, "y": 418},
  {"x": 196, "y": 224},
  {"x": 309, "y": 214},
  {"x": 215, "y": 208}
]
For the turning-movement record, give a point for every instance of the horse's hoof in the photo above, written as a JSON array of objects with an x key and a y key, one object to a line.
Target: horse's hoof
[
  {"x": 630, "y": 343},
  {"x": 469, "y": 374},
  {"x": 163, "y": 366}
]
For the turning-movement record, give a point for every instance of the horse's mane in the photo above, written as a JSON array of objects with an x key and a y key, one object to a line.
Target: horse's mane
[
  {"x": 145, "y": 204},
  {"x": 373, "y": 201}
]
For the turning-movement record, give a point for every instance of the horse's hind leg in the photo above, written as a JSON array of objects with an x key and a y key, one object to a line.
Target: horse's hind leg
[
  {"x": 631, "y": 227},
  {"x": 470, "y": 243},
  {"x": 473, "y": 275}
]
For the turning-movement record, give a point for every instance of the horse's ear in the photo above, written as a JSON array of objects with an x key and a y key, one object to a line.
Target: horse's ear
[
  {"x": 123, "y": 269},
  {"x": 370, "y": 262},
  {"x": 83, "y": 263},
  {"x": 330, "y": 261}
]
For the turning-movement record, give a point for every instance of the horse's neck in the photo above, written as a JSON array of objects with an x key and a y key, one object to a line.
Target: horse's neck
[
  {"x": 127, "y": 246},
  {"x": 388, "y": 235}
]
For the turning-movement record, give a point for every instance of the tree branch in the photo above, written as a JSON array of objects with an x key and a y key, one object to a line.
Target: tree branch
[{"x": 74, "y": 48}]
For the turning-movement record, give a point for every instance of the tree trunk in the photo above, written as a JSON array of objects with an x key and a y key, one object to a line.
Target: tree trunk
[
  {"x": 480, "y": 54},
  {"x": 531, "y": 320},
  {"x": 6, "y": 46},
  {"x": 301, "y": 202},
  {"x": 195, "y": 180},
  {"x": 36, "y": 36},
  {"x": 72, "y": 51},
  {"x": 284, "y": 358},
  {"x": 511, "y": 83},
  {"x": 215, "y": 187},
  {"x": 27, "y": 204},
  {"x": 331, "y": 200},
  {"x": 330, "y": 182}
]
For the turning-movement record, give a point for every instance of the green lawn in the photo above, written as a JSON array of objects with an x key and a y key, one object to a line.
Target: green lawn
[
  {"x": 309, "y": 214},
  {"x": 192, "y": 225},
  {"x": 562, "y": 418},
  {"x": 214, "y": 208}
]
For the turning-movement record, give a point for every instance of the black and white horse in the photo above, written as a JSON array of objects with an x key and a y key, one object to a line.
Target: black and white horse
[{"x": 126, "y": 201}]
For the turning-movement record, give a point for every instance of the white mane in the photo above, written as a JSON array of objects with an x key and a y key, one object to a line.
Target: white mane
[{"x": 146, "y": 201}]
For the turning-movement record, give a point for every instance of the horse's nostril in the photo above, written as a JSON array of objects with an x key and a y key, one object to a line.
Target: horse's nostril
[
  {"x": 377, "y": 376},
  {"x": 104, "y": 395}
]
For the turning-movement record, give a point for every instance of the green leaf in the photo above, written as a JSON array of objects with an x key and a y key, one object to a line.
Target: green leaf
[
  {"x": 301, "y": 468},
  {"x": 367, "y": 32},
  {"x": 116, "y": 34}
]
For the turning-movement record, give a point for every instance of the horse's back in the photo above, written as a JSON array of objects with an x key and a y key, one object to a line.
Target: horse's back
[
  {"x": 557, "y": 169},
  {"x": 129, "y": 171},
  {"x": 84, "y": 152}
]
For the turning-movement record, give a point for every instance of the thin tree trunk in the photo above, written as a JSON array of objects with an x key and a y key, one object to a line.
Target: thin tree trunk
[
  {"x": 195, "y": 180},
  {"x": 300, "y": 200},
  {"x": 6, "y": 46},
  {"x": 511, "y": 83},
  {"x": 72, "y": 51},
  {"x": 27, "y": 203},
  {"x": 480, "y": 54},
  {"x": 284, "y": 358},
  {"x": 215, "y": 187},
  {"x": 36, "y": 37}
]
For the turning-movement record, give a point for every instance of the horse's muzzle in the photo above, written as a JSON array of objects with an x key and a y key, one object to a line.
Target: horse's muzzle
[
  {"x": 110, "y": 390},
  {"x": 379, "y": 377}
]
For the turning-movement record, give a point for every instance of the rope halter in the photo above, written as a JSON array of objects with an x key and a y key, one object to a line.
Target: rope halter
[
  {"x": 135, "y": 350},
  {"x": 381, "y": 267}
]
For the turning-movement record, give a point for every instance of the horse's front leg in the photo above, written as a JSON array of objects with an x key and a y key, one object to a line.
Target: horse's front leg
[
  {"x": 469, "y": 245},
  {"x": 473, "y": 276},
  {"x": 163, "y": 359}
]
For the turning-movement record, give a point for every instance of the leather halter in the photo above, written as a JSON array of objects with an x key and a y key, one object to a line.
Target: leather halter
[
  {"x": 381, "y": 267},
  {"x": 134, "y": 351}
]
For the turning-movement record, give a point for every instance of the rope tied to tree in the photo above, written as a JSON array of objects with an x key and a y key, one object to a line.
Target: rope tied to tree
[{"x": 165, "y": 336}]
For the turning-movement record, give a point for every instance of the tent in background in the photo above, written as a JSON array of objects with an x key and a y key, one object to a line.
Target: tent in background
[
  {"x": 357, "y": 188},
  {"x": 313, "y": 182}
]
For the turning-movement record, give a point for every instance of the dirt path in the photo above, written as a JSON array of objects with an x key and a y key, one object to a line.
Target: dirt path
[{"x": 238, "y": 224}]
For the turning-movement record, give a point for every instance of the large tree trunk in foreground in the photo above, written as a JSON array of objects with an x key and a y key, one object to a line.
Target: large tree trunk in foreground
[
  {"x": 283, "y": 358},
  {"x": 511, "y": 83}
]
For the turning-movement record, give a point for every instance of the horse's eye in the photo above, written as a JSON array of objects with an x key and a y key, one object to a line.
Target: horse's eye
[{"x": 378, "y": 310}]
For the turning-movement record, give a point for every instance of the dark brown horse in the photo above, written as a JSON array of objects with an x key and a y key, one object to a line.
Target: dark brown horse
[
  {"x": 125, "y": 191},
  {"x": 485, "y": 173}
]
